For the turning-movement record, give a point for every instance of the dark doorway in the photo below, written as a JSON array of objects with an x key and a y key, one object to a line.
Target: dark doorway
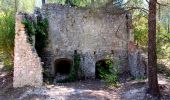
[
  {"x": 103, "y": 67},
  {"x": 63, "y": 66}
]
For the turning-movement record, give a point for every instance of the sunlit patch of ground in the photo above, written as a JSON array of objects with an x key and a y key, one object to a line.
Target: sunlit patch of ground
[
  {"x": 164, "y": 66},
  {"x": 82, "y": 90},
  {"x": 65, "y": 93}
]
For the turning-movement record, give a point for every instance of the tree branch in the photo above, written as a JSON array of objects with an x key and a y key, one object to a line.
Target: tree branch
[{"x": 139, "y": 8}]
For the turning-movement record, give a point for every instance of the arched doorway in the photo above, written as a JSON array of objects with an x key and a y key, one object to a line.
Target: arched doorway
[
  {"x": 63, "y": 66},
  {"x": 103, "y": 67}
]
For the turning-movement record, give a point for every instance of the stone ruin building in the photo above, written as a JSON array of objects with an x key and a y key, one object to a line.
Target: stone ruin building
[{"x": 95, "y": 34}]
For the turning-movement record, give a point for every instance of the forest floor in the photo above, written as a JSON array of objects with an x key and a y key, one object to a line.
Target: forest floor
[{"x": 82, "y": 90}]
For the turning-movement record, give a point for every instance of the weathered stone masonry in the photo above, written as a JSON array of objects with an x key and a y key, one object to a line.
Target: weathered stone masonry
[
  {"x": 95, "y": 34},
  {"x": 27, "y": 64}
]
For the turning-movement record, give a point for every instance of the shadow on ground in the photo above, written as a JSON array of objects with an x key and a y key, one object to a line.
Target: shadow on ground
[{"x": 82, "y": 90}]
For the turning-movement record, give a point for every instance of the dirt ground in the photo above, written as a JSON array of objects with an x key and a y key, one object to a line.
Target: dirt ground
[{"x": 81, "y": 90}]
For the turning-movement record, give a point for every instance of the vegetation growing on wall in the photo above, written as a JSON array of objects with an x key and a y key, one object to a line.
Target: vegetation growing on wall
[
  {"x": 108, "y": 71},
  {"x": 75, "y": 69},
  {"x": 41, "y": 34},
  {"x": 39, "y": 30},
  {"x": 30, "y": 29},
  {"x": 86, "y": 3}
]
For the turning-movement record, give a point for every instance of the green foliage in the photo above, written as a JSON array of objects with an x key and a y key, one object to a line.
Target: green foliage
[
  {"x": 111, "y": 73},
  {"x": 83, "y": 3},
  {"x": 163, "y": 50},
  {"x": 57, "y": 1},
  {"x": 139, "y": 21},
  {"x": 30, "y": 26},
  {"x": 75, "y": 69},
  {"x": 104, "y": 68},
  {"x": 39, "y": 30},
  {"x": 41, "y": 34},
  {"x": 25, "y": 6},
  {"x": 7, "y": 34},
  {"x": 141, "y": 30},
  {"x": 78, "y": 3},
  {"x": 163, "y": 42},
  {"x": 7, "y": 6},
  {"x": 19, "y": 5}
]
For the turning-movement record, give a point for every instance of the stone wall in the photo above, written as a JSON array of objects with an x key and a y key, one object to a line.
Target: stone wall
[
  {"x": 95, "y": 34},
  {"x": 27, "y": 64},
  {"x": 138, "y": 61}
]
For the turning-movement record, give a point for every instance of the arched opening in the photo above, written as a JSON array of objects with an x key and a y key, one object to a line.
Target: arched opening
[
  {"x": 103, "y": 67},
  {"x": 63, "y": 66}
]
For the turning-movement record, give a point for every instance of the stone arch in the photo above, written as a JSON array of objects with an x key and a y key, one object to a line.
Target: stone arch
[
  {"x": 62, "y": 66},
  {"x": 101, "y": 55},
  {"x": 103, "y": 64}
]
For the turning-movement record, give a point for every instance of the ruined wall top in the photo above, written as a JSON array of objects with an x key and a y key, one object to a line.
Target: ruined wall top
[
  {"x": 85, "y": 29},
  {"x": 104, "y": 9}
]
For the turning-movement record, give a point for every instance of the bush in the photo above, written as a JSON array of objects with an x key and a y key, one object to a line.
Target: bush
[
  {"x": 39, "y": 30},
  {"x": 7, "y": 34},
  {"x": 110, "y": 75}
]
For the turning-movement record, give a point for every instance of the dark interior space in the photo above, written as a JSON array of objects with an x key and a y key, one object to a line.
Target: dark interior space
[
  {"x": 102, "y": 66},
  {"x": 63, "y": 66}
]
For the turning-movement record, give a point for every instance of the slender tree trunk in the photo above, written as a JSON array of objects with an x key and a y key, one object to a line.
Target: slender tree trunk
[
  {"x": 152, "y": 59},
  {"x": 159, "y": 15},
  {"x": 168, "y": 26},
  {"x": 159, "y": 18},
  {"x": 16, "y": 5},
  {"x": 44, "y": 1}
]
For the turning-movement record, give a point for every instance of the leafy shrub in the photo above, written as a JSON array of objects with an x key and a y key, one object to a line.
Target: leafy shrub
[
  {"x": 7, "y": 34},
  {"x": 39, "y": 30},
  {"x": 31, "y": 29},
  {"x": 111, "y": 74},
  {"x": 41, "y": 34}
]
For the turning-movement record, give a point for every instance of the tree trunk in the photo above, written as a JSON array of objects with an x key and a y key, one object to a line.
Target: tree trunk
[
  {"x": 152, "y": 59},
  {"x": 159, "y": 18},
  {"x": 168, "y": 26},
  {"x": 43, "y": 1},
  {"x": 16, "y": 5}
]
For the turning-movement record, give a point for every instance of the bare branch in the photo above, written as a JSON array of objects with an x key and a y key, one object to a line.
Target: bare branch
[
  {"x": 161, "y": 4},
  {"x": 139, "y": 8},
  {"x": 147, "y": 1}
]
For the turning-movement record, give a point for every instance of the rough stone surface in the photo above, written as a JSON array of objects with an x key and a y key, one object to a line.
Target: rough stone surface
[
  {"x": 27, "y": 64},
  {"x": 96, "y": 34},
  {"x": 137, "y": 61}
]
